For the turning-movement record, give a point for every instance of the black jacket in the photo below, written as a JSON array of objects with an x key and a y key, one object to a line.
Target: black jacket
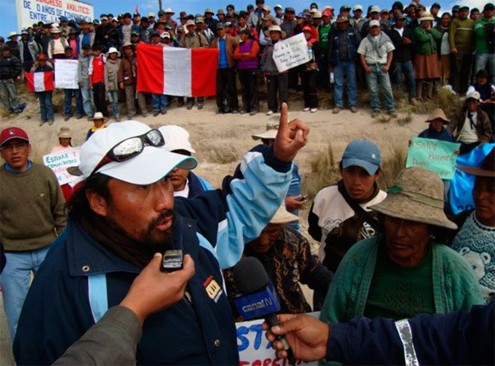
[
  {"x": 402, "y": 52},
  {"x": 10, "y": 67}
]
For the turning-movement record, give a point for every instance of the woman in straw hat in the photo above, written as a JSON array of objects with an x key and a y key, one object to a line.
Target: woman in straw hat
[
  {"x": 287, "y": 258},
  {"x": 403, "y": 272},
  {"x": 65, "y": 145},
  {"x": 476, "y": 239},
  {"x": 437, "y": 130},
  {"x": 426, "y": 64}
]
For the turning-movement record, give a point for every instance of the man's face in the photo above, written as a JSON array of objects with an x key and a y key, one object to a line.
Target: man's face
[
  {"x": 142, "y": 212},
  {"x": 190, "y": 29},
  {"x": 275, "y": 36},
  {"x": 399, "y": 23},
  {"x": 463, "y": 13},
  {"x": 357, "y": 13},
  {"x": 358, "y": 183},
  {"x": 127, "y": 21},
  {"x": 475, "y": 15},
  {"x": 178, "y": 177},
  {"x": 290, "y": 15},
  {"x": 407, "y": 241},
  {"x": 374, "y": 31},
  {"x": 488, "y": 13},
  {"x": 267, "y": 238},
  {"x": 437, "y": 124},
  {"x": 342, "y": 25},
  {"x": 434, "y": 11},
  {"x": 472, "y": 105},
  {"x": 241, "y": 21},
  {"x": 16, "y": 153},
  {"x": 484, "y": 200}
]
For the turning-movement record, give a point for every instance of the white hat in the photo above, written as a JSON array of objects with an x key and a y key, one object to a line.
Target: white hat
[
  {"x": 176, "y": 138},
  {"x": 98, "y": 115},
  {"x": 374, "y": 23},
  {"x": 282, "y": 216},
  {"x": 165, "y": 35},
  {"x": 278, "y": 6},
  {"x": 426, "y": 16},
  {"x": 190, "y": 22},
  {"x": 473, "y": 95},
  {"x": 375, "y": 9},
  {"x": 168, "y": 11},
  {"x": 357, "y": 7},
  {"x": 148, "y": 167},
  {"x": 151, "y": 14},
  {"x": 316, "y": 14},
  {"x": 113, "y": 50},
  {"x": 12, "y": 34},
  {"x": 267, "y": 8},
  {"x": 270, "y": 133}
]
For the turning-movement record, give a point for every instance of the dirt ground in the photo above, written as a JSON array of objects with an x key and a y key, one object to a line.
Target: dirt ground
[{"x": 221, "y": 140}]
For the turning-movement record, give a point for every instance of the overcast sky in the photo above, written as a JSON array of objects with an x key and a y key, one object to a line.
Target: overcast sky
[{"x": 9, "y": 23}]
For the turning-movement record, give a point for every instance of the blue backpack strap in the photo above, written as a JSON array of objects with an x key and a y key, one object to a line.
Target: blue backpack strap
[{"x": 97, "y": 295}]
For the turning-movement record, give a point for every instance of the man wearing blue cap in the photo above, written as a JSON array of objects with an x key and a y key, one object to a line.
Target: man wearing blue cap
[{"x": 339, "y": 216}]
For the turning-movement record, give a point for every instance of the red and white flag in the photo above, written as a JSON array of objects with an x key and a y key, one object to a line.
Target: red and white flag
[
  {"x": 177, "y": 71},
  {"x": 39, "y": 81}
]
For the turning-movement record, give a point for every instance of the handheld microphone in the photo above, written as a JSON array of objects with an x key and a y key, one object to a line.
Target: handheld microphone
[{"x": 259, "y": 298}]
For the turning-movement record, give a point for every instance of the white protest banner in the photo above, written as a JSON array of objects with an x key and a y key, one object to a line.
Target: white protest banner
[
  {"x": 60, "y": 161},
  {"x": 290, "y": 52},
  {"x": 434, "y": 155},
  {"x": 49, "y": 11},
  {"x": 254, "y": 348},
  {"x": 66, "y": 74}
]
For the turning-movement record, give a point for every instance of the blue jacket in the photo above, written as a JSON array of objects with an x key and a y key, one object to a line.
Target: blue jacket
[
  {"x": 456, "y": 338},
  {"x": 59, "y": 307},
  {"x": 352, "y": 39},
  {"x": 197, "y": 185}
]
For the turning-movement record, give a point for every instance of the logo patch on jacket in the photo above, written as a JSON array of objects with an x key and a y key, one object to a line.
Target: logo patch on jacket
[{"x": 213, "y": 289}]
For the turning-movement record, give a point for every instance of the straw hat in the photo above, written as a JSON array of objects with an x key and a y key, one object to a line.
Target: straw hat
[
  {"x": 282, "y": 216},
  {"x": 275, "y": 28},
  {"x": 64, "y": 133},
  {"x": 487, "y": 168},
  {"x": 270, "y": 133},
  {"x": 426, "y": 16},
  {"x": 438, "y": 113},
  {"x": 416, "y": 196}
]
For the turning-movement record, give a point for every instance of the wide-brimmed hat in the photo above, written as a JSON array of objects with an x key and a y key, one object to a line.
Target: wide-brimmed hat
[
  {"x": 99, "y": 115},
  {"x": 438, "y": 113},
  {"x": 12, "y": 34},
  {"x": 270, "y": 132},
  {"x": 55, "y": 31},
  {"x": 149, "y": 166},
  {"x": 168, "y": 11},
  {"x": 486, "y": 169},
  {"x": 473, "y": 95},
  {"x": 282, "y": 216},
  {"x": 342, "y": 19},
  {"x": 176, "y": 138},
  {"x": 426, "y": 16},
  {"x": 64, "y": 133},
  {"x": 113, "y": 50},
  {"x": 417, "y": 195},
  {"x": 275, "y": 28},
  {"x": 190, "y": 22}
]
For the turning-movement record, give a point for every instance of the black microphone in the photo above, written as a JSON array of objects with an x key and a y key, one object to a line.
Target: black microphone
[{"x": 259, "y": 298}]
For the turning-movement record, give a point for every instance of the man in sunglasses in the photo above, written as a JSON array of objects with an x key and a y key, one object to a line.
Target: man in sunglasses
[
  {"x": 123, "y": 213},
  {"x": 32, "y": 214}
]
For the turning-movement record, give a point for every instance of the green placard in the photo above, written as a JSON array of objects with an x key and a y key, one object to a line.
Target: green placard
[{"x": 434, "y": 155}]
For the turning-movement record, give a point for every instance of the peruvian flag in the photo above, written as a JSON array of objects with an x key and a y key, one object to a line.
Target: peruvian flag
[
  {"x": 177, "y": 71},
  {"x": 39, "y": 81}
]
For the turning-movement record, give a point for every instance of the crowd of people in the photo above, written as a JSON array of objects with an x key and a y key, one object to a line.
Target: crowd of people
[
  {"x": 393, "y": 253},
  {"x": 408, "y": 48}
]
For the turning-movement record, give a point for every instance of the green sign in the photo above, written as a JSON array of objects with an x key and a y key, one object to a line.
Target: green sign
[{"x": 434, "y": 155}]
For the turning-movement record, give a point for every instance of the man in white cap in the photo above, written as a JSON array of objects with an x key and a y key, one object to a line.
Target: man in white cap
[{"x": 121, "y": 215}]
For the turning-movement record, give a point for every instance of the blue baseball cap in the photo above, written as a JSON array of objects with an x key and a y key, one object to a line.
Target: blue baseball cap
[
  {"x": 362, "y": 153},
  {"x": 63, "y": 19}
]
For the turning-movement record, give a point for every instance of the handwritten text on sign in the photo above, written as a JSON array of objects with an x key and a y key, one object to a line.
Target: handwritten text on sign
[
  {"x": 290, "y": 52},
  {"x": 60, "y": 161},
  {"x": 254, "y": 348},
  {"x": 49, "y": 11},
  {"x": 66, "y": 74},
  {"x": 434, "y": 155}
]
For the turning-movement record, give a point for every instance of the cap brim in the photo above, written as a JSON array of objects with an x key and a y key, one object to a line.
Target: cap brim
[
  {"x": 370, "y": 168},
  {"x": 477, "y": 171},
  {"x": 396, "y": 205},
  {"x": 265, "y": 135},
  {"x": 148, "y": 167}
]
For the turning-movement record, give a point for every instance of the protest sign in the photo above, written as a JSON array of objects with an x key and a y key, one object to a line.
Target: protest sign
[
  {"x": 60, "y": 161},
  {"x": 434, "y": 155},
  {"x": 254, "y": 348},
  {"x": 290, "y": 52},
  {"x": 66, "y": 74},
  {"x": 49, "y": 11}
]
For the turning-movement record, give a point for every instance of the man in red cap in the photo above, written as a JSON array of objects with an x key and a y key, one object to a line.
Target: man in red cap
[{"x": 32, "y": 215}]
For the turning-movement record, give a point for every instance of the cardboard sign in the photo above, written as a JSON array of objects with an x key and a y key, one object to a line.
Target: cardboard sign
[
  {"x": 291, "y": 52},
  {"x": 66, "y": 74},
  {"x": 60, "y": 161},
  {"x": 49, "y": 11},
  {"x": 434, "y": 155},
  {"x": 254, "y": 348}
]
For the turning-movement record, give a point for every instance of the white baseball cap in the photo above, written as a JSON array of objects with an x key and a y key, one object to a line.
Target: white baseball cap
[
  {"x": 147, "y": 167},
  {"x": 176, "y": 138}
]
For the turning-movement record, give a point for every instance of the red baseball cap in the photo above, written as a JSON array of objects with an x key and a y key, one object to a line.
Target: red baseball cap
[{"x": 12, "y": 133}]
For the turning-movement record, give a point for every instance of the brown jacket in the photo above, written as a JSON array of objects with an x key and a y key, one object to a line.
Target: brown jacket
[
  {"x": 483, "y": 126},
  {"x": 196, "y": 40},
  {"x": 127, "y": 71},
  {"x": 230, "y": 46}
]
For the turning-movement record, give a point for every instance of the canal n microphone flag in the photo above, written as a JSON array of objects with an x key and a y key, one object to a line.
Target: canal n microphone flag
[
  {"x": 177, "y": 71},
  {"x": 39, "y": 81}
]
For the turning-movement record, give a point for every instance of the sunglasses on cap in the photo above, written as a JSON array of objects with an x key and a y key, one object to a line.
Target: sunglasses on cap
[{"x": 130, "y": 148}]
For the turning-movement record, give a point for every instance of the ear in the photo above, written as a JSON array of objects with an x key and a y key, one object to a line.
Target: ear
[{"x": 97, "y": 203}]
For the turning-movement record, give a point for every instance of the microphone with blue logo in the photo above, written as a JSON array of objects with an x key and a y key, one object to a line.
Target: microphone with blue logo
[{"x": 259, "y": 298}]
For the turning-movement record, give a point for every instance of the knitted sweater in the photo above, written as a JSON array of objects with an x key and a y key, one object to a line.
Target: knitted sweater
[
  {"x": 33, "y": 209},
  {"x": 454, "y": 284},
  {"x": 476, "y": 244}
]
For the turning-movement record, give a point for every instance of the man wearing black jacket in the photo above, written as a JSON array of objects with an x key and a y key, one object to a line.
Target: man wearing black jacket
[{"x": 10, "y": 71}]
